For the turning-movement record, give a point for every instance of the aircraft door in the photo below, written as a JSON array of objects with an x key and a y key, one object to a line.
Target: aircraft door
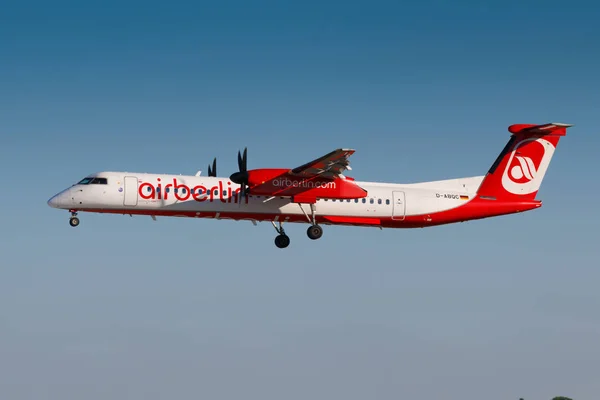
[
  {"x": 131, "y": 191},
  {"x": 398, "y": 206}
]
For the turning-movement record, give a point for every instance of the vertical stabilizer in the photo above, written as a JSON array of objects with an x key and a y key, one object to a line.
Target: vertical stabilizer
[{"x": 518, "y": 171}]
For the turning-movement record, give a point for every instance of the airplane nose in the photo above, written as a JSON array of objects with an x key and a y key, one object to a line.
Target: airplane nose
[{"x": 56, "y": 201}]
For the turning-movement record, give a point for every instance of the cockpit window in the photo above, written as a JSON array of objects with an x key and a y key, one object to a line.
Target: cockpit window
[{"x": 93, "y": 181}]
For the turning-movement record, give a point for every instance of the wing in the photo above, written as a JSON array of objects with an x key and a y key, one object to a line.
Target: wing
[{"x": 330, "y": 166}]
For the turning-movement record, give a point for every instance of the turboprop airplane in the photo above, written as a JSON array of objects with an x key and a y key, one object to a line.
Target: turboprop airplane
[{"x": 319, "y": 193}]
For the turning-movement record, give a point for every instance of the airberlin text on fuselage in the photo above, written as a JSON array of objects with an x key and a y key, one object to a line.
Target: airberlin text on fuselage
[
  {"x": 303, "y": 184},
  {"x": 183, "y": 192}
]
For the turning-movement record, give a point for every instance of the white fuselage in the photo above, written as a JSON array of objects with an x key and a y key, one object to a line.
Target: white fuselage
[{"x": 137, "y": 193}]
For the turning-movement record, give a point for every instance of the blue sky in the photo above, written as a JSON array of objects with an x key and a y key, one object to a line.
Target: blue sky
[{"x": 130, "y": 308}]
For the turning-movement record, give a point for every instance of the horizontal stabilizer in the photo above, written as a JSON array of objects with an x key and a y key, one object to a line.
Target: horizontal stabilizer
[{"x": 555, "y": 128}]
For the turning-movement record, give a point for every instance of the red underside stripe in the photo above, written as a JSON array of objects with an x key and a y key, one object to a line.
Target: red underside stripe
[
  {"x": 475, "y": 209},
  {"x": 353, "y": 220}
]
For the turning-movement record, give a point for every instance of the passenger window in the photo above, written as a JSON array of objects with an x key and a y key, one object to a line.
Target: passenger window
[
  {"x": 378, "y": 201},
  {"x": 387, "y": 201},
  {"x": 168, "y": 190},
  {"x": 371, "y": 201},
  {"x": 200, "y": 191},
  {"x": 148, "y": 189},
  {"x": 216, "y": 192}
]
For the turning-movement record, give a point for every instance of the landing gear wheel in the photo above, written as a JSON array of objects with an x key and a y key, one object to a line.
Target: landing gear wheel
[
  {"x": 74, "y": 221},
  {"x": 282, "y": 241},
  {"x": 314, "y": 232}
]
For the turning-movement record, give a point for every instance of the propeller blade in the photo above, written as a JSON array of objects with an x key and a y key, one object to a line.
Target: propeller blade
[
  {"x": 213, "y": 171},
  {"x": 241, "y": 177},
  {"x": 243, "y": 160}
]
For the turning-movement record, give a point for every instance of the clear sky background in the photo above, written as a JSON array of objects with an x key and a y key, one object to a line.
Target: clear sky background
[{"x": 128, "y": 308}]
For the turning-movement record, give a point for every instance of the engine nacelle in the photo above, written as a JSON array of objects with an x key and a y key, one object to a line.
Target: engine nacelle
[{"x": 280, "y": 182}]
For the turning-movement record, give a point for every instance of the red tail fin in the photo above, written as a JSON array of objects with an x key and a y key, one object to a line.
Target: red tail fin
[{"x": 519, "y": 170}]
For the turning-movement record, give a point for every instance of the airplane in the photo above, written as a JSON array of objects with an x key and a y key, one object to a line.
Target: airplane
[{"x": 319, "y": 193}]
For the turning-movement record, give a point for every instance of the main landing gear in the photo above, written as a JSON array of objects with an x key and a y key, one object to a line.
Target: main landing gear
[
  {"x": 314, "y": 231},
  {"x": 281, "y": 240},
  {"x": 74, "y": 221}
]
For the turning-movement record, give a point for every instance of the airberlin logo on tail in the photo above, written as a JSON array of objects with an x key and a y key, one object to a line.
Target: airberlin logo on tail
[
  {"x": 527, "y": 165},
  {"x": 525, "y": 170}
]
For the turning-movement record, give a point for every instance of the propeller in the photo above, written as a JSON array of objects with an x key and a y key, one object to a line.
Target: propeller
[
  {"x": 213, "y": 171},
  {"x": 241, "y": 177}
]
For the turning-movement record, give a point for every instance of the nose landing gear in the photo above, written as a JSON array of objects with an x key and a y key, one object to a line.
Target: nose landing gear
[{"x": 74, "y": 221}]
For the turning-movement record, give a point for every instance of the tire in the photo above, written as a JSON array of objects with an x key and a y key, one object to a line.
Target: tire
[
  {"x": 74, "y": 221},
  {"x": 282, "y": 241},
  {"x": 314, "y": 232}
]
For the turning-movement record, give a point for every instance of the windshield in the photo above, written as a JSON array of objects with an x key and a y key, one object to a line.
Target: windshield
[
  {"x": 85, "y": 181},
  {"x": 93, "y": 181}
]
